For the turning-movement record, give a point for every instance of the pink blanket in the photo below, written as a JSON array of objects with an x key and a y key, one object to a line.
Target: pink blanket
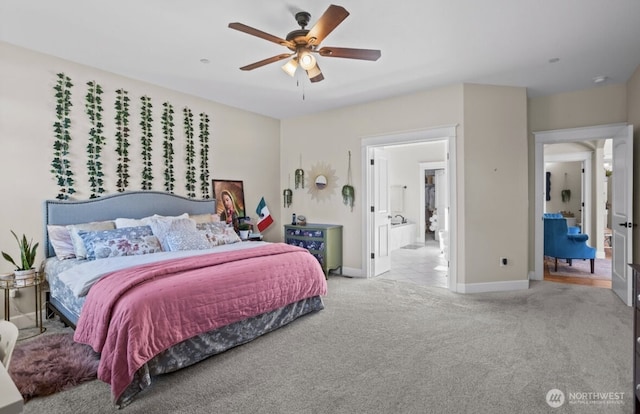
[{"x": 133, "y": 314}]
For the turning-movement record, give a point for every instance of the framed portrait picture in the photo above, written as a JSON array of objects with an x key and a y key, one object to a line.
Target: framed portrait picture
[{"x": 229, "y": 200}]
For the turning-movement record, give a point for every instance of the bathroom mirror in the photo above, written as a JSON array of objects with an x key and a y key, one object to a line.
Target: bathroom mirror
[{"x": 321, "y": 182}]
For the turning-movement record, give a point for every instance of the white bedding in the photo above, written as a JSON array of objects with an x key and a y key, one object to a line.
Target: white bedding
[{"x": 80, "y": 278}]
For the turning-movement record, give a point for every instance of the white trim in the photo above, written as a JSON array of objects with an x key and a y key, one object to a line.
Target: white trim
[
  {"x": 446, "y": 133},
  {"x": 507, "y": 285}
]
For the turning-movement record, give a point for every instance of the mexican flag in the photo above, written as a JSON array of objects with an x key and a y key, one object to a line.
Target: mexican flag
[{"x": 265, "y": 217}]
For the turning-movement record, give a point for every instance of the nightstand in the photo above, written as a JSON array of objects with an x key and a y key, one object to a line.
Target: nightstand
[
  {"x": 324, "y": 242},
  {"x": 36, "y": 282}
]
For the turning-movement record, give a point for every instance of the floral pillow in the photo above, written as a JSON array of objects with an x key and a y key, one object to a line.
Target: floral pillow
[
  {"x": 187, "y": 240},
  {"x": 128, "y": 241},
  {"x": 219, "y": 233},
  {"x": 78, "y": 243}
]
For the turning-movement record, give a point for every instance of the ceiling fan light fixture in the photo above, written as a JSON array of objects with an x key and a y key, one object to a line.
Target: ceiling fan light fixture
[
  {"x": 290, "y": 67},
  {"x": 314, "y": 71},
  {"x": 306, "y": 59}
]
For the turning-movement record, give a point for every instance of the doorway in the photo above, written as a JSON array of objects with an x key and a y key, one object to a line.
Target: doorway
[
  {"x": 377, "y": 213},
  {"x": 622, "y": 138}
]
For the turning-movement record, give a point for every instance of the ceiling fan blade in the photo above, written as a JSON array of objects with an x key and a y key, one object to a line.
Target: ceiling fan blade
[
  {"x": 345, "y": 52},
  {"x": 259, "y": 33},
  {"x": 331, "y": 18},
  {"x": 266, "y": 61}
]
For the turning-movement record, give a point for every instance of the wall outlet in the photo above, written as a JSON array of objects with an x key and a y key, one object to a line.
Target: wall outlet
[{"x": 503, "y": 261}]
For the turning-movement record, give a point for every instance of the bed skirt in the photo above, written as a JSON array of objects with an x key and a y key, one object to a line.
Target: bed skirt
[{"x": 214, "y": 342}]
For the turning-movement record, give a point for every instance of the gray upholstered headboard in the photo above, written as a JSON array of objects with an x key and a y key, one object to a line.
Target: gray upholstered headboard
[{"x": 131, "y": 204}]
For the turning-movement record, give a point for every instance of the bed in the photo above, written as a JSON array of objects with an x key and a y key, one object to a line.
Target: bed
[{"x": 157, "y": 308}]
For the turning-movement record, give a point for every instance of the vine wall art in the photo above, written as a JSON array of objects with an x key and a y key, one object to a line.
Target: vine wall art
[
  {"x": 61, "y": 164},
  {"x": 122, "y": 139}
]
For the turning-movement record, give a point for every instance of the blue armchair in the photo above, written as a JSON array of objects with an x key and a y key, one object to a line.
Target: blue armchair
[{"x": 559, "y": 243}]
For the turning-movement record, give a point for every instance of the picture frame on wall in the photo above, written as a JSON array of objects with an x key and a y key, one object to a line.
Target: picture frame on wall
[{"x": 229, "y": 200}]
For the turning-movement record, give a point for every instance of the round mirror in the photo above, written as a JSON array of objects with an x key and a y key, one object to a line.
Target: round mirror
[{"x": 321, "y": 182}]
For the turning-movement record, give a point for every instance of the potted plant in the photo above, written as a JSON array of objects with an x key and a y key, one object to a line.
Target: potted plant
[
  {"x": 244, "y": 228},
  {"x": 24, "y": 268}
]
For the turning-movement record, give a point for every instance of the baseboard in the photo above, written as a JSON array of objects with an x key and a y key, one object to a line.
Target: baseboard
[
  {"x": 351, "y": 272},
  {"x": 503, "y": 286}
]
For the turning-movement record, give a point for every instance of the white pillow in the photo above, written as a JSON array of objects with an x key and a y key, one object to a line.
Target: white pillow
[
  {"x": 122, "y": 223},
  {"x": 78, "y": 243},
  {"x": 60, "y": 240},
  {"x": 129, "y": 222},
  {"x": 202, "y": 218},
  {"x": 162, "y": 225}
]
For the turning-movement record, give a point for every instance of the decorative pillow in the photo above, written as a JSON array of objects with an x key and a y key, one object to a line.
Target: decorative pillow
[
  {"x": 201, "y": 218},
  {"x": 187, "y": 240},
  {"x": 129, "y": 222},
  {"x": 219, "y": 233},
  {"x": 78, "y": 243},
  {"x": 60, "y": 240},
  {"x": 162, "y": 225},
  {"x": 128, "y": 241}
]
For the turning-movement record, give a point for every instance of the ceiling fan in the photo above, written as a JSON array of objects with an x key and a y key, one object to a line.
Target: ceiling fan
[{"x": 304, "y": 44}]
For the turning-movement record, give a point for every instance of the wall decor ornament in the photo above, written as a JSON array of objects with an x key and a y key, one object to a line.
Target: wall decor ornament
[
  {"x": 348, "y": 192},
  {"x": 287, "y": 195},
  {"x": 299, "y": 175},
  {"x": 322, "y": 181},
  {"x": 167, "y": 146},
  {"x": 146, "y": 120},
  {"x": 122, "y": 139},
  {"x": 93, "y": 109},
  {"x": 61, "y": 165},
  {"x": 190, "y": 154},
  {"x": 204, "y": 155}
]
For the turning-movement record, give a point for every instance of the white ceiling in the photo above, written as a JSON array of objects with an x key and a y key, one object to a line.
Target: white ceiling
[{"x": 424, "y": 43}]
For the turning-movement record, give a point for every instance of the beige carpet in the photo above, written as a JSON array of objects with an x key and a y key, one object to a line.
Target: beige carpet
[{"x": 391, "y": 347}]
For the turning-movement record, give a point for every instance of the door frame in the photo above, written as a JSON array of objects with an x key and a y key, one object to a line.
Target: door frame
[
  {"x": 444, "y": 133},
  {"x": 555, "y": 137}
]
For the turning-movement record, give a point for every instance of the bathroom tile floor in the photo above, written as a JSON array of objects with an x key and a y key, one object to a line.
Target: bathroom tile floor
[{"x": 420, "y": 264}]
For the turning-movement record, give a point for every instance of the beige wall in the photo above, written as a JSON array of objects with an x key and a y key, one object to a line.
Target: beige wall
[
  {"x": 633, "y": 117},
  {"x": 495, "y": 184},
  {"x": 600, "y": 105},
  {"x": 243, "y": 145},
  {"x": 596, "y": 106},
  {"x": 494, "y": 116},
  {"x": 328, "y": 136}
]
